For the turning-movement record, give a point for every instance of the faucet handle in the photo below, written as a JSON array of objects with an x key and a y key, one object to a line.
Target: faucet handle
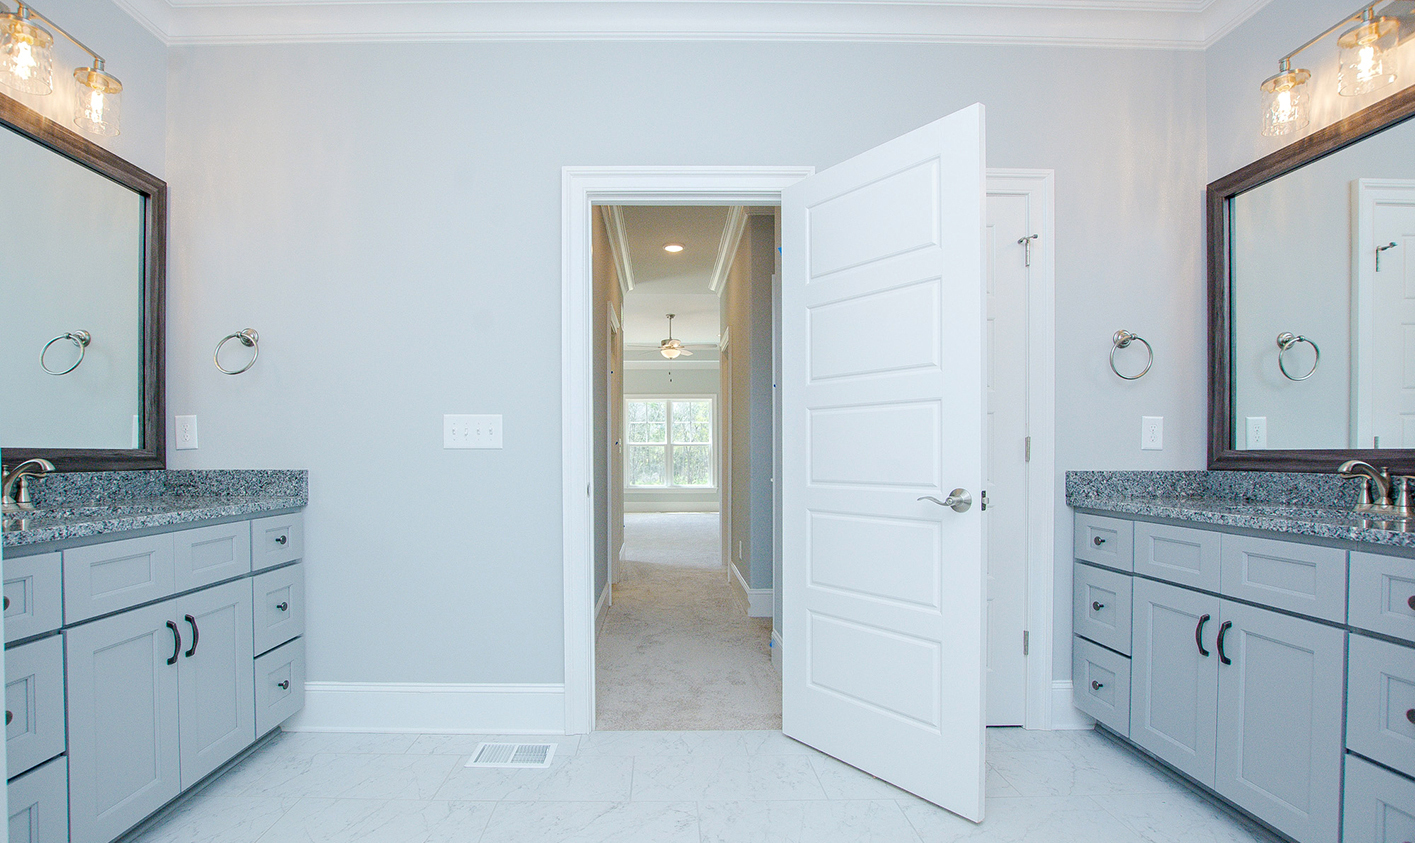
[
  {"x": 1364, "y": 496},
  {"x": 1401, "y": 494}
]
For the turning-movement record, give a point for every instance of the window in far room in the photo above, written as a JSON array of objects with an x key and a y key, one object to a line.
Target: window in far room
[{"x": 670, "y": 442}]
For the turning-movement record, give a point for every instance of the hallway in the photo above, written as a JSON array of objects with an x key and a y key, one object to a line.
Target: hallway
[{"x": 676, "y": 651}]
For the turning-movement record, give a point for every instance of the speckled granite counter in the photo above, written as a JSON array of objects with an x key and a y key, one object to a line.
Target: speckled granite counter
[
  {"x": 1300, "y": 504},
  {"x": 82, "y": 504}
]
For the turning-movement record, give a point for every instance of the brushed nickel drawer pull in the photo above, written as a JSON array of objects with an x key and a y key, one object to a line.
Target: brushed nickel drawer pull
[
  {"x": 1410, "y": 601},
  {"x": 1410, "y": 714},
  {"x": 9, "y": 715},
  {"x": 283, "y": 684}
]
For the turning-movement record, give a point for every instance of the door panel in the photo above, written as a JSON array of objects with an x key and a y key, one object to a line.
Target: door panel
[
  {"x": 123, "y": 758},
  {"x": 883, "y": 592},
  {"x": 1279, "y": 726},
  {"x": 216, "y": 684},
  {"x": 1173, "y": 686}
]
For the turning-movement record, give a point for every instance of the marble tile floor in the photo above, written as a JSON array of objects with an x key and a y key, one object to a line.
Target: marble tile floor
[{"x": 666, "y": 787}]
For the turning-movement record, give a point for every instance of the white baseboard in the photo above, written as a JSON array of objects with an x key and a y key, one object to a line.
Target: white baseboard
[
  {"x": 1064, "y": 713},
  {"x": 756, "y": 602},
  {"x": 776, "y": 650},
  {"x": 601, "y": 609},
  {"x": 505, "y": 709},
  {"x": 670, "y": 506}
]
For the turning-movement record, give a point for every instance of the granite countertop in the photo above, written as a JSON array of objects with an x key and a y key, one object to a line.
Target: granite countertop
[
  {"x": 1317, "y": 505},
  {"x": 82, "y": 504}
]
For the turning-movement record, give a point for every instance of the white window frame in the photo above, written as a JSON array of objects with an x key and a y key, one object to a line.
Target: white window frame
[{"x": 712, "y": 443}]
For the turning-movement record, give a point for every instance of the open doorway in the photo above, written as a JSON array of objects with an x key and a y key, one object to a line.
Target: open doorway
[{"x": 684, "y": 440}]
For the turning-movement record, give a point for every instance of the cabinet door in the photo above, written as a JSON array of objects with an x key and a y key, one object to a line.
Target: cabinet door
[
  {"x": 39, "y": 805},
  {"x": 1279, "y": 720},
  {"x": 215, "y": 681},
  {"x": 1173, "y": 685},
  {"x": 122, "y": 721}
]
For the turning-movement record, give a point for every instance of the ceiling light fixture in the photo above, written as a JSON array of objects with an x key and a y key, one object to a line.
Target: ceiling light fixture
[
  {"x": 673, "y": 247},
  {"x": 27, "y": 66},
  {"x": 670, "y": 347},
  {"x": 1366, "y": 65}
]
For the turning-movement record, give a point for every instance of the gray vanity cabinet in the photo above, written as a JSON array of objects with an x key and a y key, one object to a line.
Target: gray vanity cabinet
[
  {"x": 215, "y": 685},
  {"x": 1174, "y": 685},
  {"x": 39, "y": 805},
  {"x": 123, "y": 742},
  {"x": 1280, "y": 719}
]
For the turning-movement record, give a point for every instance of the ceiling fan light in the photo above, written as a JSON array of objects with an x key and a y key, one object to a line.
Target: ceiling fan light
[{"x": 670, "y": 351}]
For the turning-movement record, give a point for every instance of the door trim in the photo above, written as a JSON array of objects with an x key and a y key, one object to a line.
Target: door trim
[
  {"x": 581, "y": 188},
  {"x": 1039, "y": 187}
]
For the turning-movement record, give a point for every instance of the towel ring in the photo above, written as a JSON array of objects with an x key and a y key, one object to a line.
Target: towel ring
[
  {"x": 1122, "y": 339},
  {"x": 249, "y": 338},
  {"x": 79, "y": 338},
  {"x": 1285, "y": 341}
]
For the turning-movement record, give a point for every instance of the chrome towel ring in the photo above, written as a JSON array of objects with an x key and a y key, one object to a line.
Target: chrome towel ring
[
  {"x": 249, "y": 338},
  {"x": 1122, "y": 339},
  {"x": 78, "y": 338},
  {"x": 1285, "y": 341}
]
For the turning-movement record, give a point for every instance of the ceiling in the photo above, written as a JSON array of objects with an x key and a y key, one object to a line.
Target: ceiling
[{"x": 1162, "y": 24}]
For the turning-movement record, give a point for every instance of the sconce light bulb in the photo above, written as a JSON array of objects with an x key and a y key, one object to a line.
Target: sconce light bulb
[
  {"x": 1364, "y": 63},
  {"x": 97, "y": 100},
  {"x": 26, "y": 55},
  {"x": 1285, "y": 103}
]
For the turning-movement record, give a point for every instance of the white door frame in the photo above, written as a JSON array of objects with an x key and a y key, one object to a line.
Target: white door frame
[
  {"x": 1038, "y": 186},
  {"x": 583, "y": 187},
  {"x": 1366, "y": 195}
]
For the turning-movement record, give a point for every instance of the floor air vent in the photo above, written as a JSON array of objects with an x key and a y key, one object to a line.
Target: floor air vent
[{"x": 512, "y": 755}]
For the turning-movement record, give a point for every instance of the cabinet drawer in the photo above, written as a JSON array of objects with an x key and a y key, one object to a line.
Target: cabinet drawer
[
  {"x": 34, "y": 703},
  {"x": 103, "y": 578},
  {"x": 1383, "y": 594},
  {"x": 1101, "y": 607},
  {"x": 1380, "y": 702},
  {"x": 34, "y": 595},
  {"x": 1303, "y": 578},
  {"x": 1105, "y": 541},
  {"x": 1180, "y": 555},
  {"x": 1102, "y": 681},
  {"x": 279, "y": 606},
  {"x": 279, "y": 685},
  {"x": 1380, "y": 806},
  {"x": 277, "y": 540},
  {"x": 211, "y": 554},
  {"x": 39, "y": 804}
]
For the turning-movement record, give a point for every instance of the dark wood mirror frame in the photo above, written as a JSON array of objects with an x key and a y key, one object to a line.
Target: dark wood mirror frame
[
  {"x": 1222, "y": 455},
  {"x": 153, "y": 453}
]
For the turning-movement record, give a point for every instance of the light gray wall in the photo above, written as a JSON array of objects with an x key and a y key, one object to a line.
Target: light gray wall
[
  {"x": 393, "y": 238},
  {"x": 685, "y": 380},
  {"x": 1292, "y": 272}
]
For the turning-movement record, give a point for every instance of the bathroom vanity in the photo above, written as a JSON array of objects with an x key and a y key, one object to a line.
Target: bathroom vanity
[
  {"x": 1263, "y": 649},
  {"x": 153, "y": 631}
]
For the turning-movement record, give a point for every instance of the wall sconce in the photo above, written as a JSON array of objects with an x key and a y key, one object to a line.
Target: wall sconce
[
  {"x": 1365, "y": 65},
  {"x": 27, "y": 66}
]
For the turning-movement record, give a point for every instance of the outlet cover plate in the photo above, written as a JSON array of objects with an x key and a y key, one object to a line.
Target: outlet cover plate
[
  {"x": 1152, "y": 433},
  {"x": 185, "y": 433},
  {"x": 461, "y": 431}
]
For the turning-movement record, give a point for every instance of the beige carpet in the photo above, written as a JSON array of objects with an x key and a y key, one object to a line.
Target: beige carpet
[{"x": 677, "y": 652}]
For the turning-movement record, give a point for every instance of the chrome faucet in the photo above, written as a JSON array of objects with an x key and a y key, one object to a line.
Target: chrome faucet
[
  {"x": 1376, "y": 491},
  {"x": 9, "y": 479}
]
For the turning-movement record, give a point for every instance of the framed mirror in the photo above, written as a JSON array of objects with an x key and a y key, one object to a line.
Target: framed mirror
[
  {"x": 1311, "y": 260},
  {"x": 82, "y": 290}
]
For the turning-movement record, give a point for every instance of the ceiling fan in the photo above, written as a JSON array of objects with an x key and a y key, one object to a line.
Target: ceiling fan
[{"x": 670, "y": 347}]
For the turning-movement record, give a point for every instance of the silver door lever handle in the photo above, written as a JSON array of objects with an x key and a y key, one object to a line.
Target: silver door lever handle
[{"x": 958, "y": 499}]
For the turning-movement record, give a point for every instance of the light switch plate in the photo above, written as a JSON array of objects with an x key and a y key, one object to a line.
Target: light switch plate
[
  {"x": 1257, "y": 428},
  {"x": 1152, "y": 433},
  {"x": 186, "y": 433},
  {"x": 469, "y": 431}
]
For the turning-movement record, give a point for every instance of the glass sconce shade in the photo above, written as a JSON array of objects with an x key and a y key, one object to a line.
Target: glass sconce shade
[
  {"x": 1286, "y": 102},
  {"x": 26, "y": 55},
  {"x": 1367, "y": 57},
  {"x": 98, "y": 99}
]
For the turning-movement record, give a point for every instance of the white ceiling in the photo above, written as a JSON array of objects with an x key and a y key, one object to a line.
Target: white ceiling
[
  {"x": 1166, "y": 24},
  {"x": 680, "y": 282}
]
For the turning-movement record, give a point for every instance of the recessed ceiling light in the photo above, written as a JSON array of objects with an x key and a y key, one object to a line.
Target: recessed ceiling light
[{"x": 672, "y": 247}]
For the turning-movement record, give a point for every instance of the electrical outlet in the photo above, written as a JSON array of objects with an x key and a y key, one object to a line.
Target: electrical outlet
[
  {"x": 1257, "y": 428},
  {"x": 465, "y": 431},
  {"x": 739, "y": 551},
  {"x": 1152, "y": 433},
  {"x": 186, "y": 433}
]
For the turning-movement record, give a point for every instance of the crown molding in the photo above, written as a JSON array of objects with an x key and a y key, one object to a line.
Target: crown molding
[
  {"x": 1143, "y": 24},
  {"x": 619, "y": 245},
  {"x": 727, "y": 247}
]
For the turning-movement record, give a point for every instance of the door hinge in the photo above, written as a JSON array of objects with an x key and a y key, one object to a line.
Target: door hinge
[
  {"x": 1028, "y": 443},
  {"x": 1026, "y": 243},
  {"x": 1026, "y": 643},
  {"x": 985, "y": 501}
]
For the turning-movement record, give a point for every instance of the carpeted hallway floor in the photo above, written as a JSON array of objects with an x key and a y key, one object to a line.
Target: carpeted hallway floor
[{"x": 677, "y": 652}]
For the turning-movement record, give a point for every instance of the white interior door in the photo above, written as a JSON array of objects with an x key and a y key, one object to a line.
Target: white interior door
[
  {"x": 1006, "y": 465},
  {"x": 1393, "y": 396},
  {"x": 882, "y": 403}
]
